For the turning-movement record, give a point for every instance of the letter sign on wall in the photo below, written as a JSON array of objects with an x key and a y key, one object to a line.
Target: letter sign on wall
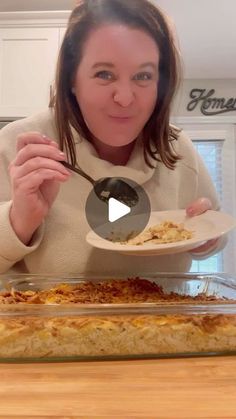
[{"x": 210, "y": 105}]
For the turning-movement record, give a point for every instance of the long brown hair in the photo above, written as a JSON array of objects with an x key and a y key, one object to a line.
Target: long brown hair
[{"x": 157, "y": 135}]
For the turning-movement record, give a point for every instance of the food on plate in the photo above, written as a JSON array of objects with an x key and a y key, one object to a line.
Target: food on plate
[
  {"x": 165, "y": 232},
  {"x": 74, "y": 320}
]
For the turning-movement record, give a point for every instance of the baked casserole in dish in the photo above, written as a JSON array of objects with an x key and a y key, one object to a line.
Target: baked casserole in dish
[{"x": 71, "y": 318}]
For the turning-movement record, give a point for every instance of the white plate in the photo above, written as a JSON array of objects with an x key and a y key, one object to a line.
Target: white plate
[{"x": 207, "y": 226}]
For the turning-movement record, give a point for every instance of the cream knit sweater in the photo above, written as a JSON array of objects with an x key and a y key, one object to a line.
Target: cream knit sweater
[{"x": 59, "y": 245}]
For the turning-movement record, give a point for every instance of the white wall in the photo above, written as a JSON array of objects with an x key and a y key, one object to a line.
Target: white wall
[{"x": 15, "y": 5}]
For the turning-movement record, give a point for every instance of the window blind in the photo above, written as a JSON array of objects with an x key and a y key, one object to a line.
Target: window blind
[{"x": 211, "y": 152}]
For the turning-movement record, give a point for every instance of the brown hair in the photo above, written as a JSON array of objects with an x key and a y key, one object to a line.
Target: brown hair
[{"x": 157, "y": 135}]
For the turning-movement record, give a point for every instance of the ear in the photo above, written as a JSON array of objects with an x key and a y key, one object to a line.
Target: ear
[{"x": 73, "y": 90}]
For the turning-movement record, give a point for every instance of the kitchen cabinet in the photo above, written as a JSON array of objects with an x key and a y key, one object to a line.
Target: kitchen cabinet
[{"x": 28, "y": 55}]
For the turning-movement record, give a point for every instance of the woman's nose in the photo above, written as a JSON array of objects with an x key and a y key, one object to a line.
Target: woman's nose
[{"x": 123, "y": 94}]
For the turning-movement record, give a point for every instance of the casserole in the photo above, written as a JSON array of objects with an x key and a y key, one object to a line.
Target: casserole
[{"x": 89, "y": 317}]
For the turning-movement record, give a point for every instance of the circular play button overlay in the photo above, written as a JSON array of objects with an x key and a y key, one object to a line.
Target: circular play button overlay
[{"x": 117, "y": 209}]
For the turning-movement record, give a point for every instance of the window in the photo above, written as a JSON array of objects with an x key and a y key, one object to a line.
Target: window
[
  {"x": 216, "y": 144},
  {"x": 211, "y": 152}
]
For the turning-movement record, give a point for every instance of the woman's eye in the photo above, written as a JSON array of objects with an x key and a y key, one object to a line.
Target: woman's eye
[
  {"x": 143, "y": 77},
  {"x": 104, "y": 75}
]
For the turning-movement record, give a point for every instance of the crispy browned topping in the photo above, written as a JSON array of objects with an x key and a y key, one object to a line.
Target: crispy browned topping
[{"x": 133, "y": 290}]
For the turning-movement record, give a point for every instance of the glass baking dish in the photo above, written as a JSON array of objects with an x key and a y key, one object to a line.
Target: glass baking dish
[{"x": 67, "y": 332}]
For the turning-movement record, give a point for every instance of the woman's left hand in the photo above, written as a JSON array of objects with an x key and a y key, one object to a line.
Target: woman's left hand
[{"x": 196, "y": 208}]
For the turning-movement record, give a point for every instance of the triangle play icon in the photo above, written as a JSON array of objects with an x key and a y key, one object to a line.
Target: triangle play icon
[{"x": 116, "y": 210}]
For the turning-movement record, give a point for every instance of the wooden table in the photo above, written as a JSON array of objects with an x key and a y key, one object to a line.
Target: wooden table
[{"x": 185, "y": 388}]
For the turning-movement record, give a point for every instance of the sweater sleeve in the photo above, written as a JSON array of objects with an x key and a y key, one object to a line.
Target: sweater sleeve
[{"x": 12, "y": 249}]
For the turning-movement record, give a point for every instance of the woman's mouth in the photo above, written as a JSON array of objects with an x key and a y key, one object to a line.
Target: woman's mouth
[{"x": 121, "y": 119}]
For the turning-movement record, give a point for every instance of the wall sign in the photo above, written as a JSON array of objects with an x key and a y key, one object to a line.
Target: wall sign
[{"x": 210, "y": 105}]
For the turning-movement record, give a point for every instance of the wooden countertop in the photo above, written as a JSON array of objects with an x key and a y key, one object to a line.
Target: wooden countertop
[{"x": 184, "y": 388}]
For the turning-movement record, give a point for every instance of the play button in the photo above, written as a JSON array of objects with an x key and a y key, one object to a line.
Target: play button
[
  {"x": 118, "y": 217},
  {"x": 116, "y": 210}
]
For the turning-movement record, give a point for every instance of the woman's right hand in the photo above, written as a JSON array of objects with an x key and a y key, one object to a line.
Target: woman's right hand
[{"x": 35, "y": 174}]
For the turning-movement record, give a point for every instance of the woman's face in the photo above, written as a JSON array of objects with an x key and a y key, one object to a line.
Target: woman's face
[{"x": 116, "y": 83}]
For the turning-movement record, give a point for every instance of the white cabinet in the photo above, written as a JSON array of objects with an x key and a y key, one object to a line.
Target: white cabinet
[
  {"x": 27, "y": 64},
  {"x": 28, "y": 55}
]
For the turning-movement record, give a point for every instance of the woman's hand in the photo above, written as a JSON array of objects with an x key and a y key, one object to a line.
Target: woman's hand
[
  {"x": 35, "y": 174},
  {"x": 196, "y": 208}
]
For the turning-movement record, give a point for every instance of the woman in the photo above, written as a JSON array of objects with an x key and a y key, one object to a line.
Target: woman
[{"x": 116, "y": 78}]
